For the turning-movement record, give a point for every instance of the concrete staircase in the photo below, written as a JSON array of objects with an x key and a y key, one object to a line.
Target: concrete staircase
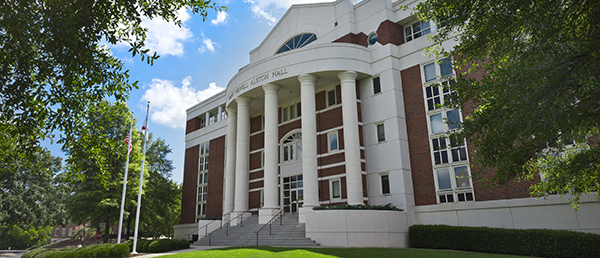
[{"x": 290, "y": 233}]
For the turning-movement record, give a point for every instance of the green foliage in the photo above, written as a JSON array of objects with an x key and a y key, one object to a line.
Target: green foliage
[
  {"x": 93, "y": 251},
  {"x": 345, "y": 206},
  {"x": 89, "y": 233},
  {"x": 183, "y": 244},
  {"x": 530, "y": 242},
  {"x": 54, "y": 65},
  {"x": 31, "y": 195},
  {"x": 142, "y": 245},
  {"x": 537, "y": 89},
  {"x": 20, "y": 238},
  {"x": 160, "y": 245}
]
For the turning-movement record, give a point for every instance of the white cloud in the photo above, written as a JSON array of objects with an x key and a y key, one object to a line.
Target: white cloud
[
  {"x": 221, "y": 18},
  {"x": 166, "y": 38},
  {"x": 207, "y": 44},
  {"x": 265, "y": 9},
  {"x": 168, "y": 102}
]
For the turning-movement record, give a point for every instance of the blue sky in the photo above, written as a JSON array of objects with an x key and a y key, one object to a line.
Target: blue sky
[{"x": 196, "y": 61}]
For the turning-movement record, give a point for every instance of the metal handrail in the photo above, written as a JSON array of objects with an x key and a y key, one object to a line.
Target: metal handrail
[
  {"x": 205, "y": 227},
  {"x": 280, "y": 214}
]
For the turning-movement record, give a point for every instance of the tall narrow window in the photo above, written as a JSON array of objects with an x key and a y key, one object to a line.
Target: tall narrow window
[
  {"x": 376, "y": 85},
  {"x": 332, "y": 139},
  {"x": 331, "y": 98},
  {"x": 336, "y": 192},
  {"x": 202, "y": 180},
  {"x": 380, "y": 132},
  {"x": 385, "y": 184},
  {"x": 292, "y": 147}
]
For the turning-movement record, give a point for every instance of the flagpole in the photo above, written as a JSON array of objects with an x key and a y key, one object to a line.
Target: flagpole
[
  {"x": 139, "y": 203},
  {"x": 129, "y": 142}
]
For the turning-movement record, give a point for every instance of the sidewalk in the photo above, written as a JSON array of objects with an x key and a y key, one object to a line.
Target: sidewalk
[{"x": 192, "y": 248}]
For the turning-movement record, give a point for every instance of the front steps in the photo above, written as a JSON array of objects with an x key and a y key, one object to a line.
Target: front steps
[{"x": 291, "y": 233}]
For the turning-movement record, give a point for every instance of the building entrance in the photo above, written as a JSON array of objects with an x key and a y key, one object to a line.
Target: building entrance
[{"x": 293, "y": 193}]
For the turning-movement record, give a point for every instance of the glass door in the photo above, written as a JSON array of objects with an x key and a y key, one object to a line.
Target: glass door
[{"x": 293, "y": 193}]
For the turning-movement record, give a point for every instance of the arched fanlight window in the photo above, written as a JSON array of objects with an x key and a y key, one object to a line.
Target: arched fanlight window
[
  {"x": 292, "y": 147},
  {"x": 298, "y": 42}
]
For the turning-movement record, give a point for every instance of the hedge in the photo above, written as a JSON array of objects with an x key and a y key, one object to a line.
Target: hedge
[
  {"x": 529, "y": 242},
  {"x": 161, "y": 245},
  {"x": 345, "y": 206},
  {"x": 93, "y": 251}
]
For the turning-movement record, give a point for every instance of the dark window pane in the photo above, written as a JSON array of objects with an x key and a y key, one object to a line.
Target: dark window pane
[
  {"x": 385, "y": 184},
  {"x": 444, "y": 157},
  {"x": 436, "y": 102},
  {"x": 380, "y": 133},
  {"x": 446, "y": 66},
  {"x": 442, "y": 198},
  {"x": 453, "y": 118},
  {"x": 429, "y": 92},
  {"x": 455, "y": 155},
  {"x": 376, "y": 85},
  {"x": 299, "y": 109},
  {"x": 463, "y": 153},
  {"x": 469, "y": 196},
  {"x": 430, "y": 105},
  {"x": 331, "y": 98},
  {"x": 436, "y": 156},
  {"x": 450, "y": 198},
  {"x": 436, "y": 145},
  {"x": 461, "y": 197}
]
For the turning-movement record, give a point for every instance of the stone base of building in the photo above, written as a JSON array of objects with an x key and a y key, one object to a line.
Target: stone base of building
[
  {"x": 358, "y": 228},
  {"x": 265, "y": 215},
  {"x": 181, "y": 231}
]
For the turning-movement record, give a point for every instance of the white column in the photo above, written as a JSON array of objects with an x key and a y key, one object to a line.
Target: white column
[
  {"x": 242, "y": 155},
  {"x": 309, "y": 144},
  {"x": 220, "y": 114},
  {"x": 230, "y": 167},
  {"x": 207, "y": 118},
  {"x": 271, "y": 153},
  {"x": 351, "y": 138}
]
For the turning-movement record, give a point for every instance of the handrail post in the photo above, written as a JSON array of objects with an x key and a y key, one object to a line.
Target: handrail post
[{"x": 210, "y": 239}]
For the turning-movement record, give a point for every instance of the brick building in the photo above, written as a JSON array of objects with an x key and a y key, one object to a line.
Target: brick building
[{"x": 339, "y": 105}]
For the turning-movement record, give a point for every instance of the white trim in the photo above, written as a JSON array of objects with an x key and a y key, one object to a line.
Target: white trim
[{"x": 331, "y": 181}]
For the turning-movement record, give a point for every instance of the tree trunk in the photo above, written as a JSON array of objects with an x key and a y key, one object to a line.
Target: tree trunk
[{"x": 106, "y": 231}]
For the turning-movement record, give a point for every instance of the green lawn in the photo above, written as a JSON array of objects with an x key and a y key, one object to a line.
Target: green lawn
[{"x": 292, "y": 252}]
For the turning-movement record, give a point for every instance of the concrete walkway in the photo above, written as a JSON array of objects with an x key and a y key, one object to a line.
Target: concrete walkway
[
  {"x": 192, "y": 248},
  {"x": 12, "y": 253}
]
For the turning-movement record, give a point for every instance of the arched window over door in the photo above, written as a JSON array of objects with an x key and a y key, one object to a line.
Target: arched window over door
[
  {"x": 298, "y": 42},
  {"x": 292, "y": 147}
]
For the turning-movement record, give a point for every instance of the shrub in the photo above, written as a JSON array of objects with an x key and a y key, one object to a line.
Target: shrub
[
  {"x": 34, "y": 253},
  {"x": 142, "y": 245},
  {"x": 174, "y": 244},
  {"x": 159, "y": 246},
  {"x": 387, "y": 207},
  {"x": 129, "y": 243},
  {"x": 119, "y": 251},
  {"x": 530, "y": 242},
  {"x": 183, "y": 244}
]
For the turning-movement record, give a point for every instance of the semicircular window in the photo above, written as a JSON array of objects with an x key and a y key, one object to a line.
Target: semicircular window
[{"x": 298, "y": 42}]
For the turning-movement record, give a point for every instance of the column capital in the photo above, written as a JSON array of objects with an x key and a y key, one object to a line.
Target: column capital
[
  {"x": 347, "y": 75},
  {"x": 243, "y": 100},
  {"x": 307, "y": 78},
  {"x": 271, "y": 88},
  {"x": 231, "y": 110}
]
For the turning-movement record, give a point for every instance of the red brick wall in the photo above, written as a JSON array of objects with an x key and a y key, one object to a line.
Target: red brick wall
[
  {"x": 192, "y": 125},
  {"x": 485, "y": 191},
  {"x": 216, "y": 172},
  {"x": 190, "y": 184},
  {"x": 256, "y": 124},
  {"x": 257, "y": 141},
  {"x": 359, "y": 39},
  {"x": 418, "y": 137},
  {"x": 390, "y": 33},
  {"x": 254, "y": 199},
  {"x": 329, "y": 119}
]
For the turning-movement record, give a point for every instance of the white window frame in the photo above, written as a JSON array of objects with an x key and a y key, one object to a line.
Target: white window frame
[
  {"x": 70, "y": 232},
  {"x": 334, "y": 97},
  {"x": 202, "y": 183},
  {"x": 337, "y": 136},
  {"x": 389, "y": 186},
  {"x": 291, "y": 147},
  {"x": 379, "y": 82},
  {"x": 410, "y": 36},
  {"x": 56, "y": 232},
  {"x": 454, "y": 192},
  {"x": 331, "y": 182},
  {"x": 290, "y": 112},
  {"x": 377, "y": 136}
]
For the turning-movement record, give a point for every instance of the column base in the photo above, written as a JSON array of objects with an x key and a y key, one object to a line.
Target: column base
[{"x": 266, "y": 214}]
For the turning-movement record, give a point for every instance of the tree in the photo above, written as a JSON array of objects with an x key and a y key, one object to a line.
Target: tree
[
  {"x": 32, "y": 199},
  {"x": 537, "y": 91},
  {"x": 97, "y": 199},
  {"x": 161, "y": 203},
  {"x": 54, "y": 64}
]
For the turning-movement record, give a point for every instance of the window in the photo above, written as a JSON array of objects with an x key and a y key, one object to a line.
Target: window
[
  {"x": 202, "y": 179},
  {"x": 202, "y": 122},
  {"x": 56, "y": 232},
  {"x": 385, "y": 184},
  {"x": 336, "y": 192},
  {"x": 290, "y": 112},
  {"x": 380, "y": 132},
  {"x": 376, "y": 85},
  {"x": 64, "y": 230},
  {"x": 292, "y": 147},
  {"x": 298, "y": 42},
  {"x": 449, "y": 156},
  {"x": 70, "y": 231},
  {"x": 372, "y": 38},
  {"x": 331, "y": 98},
  {"x": 417, "y": 30},
  {"x": 332, "y": 141}
]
